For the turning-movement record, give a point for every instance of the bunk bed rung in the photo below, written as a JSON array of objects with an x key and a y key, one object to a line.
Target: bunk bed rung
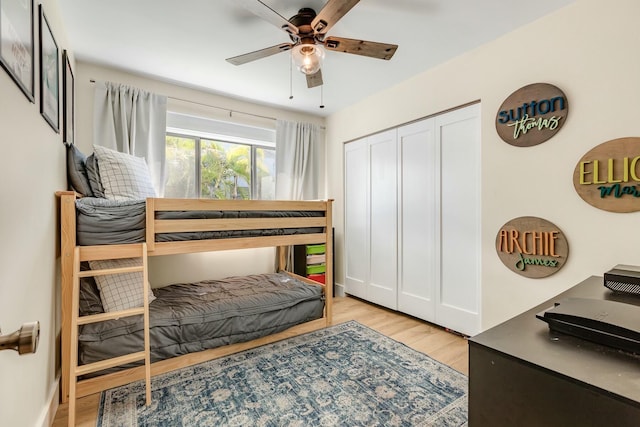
[
  {"x": 190, "y": 225},
  {"x": 107, "y": 271},
  {"x": 95, "y": 318},
  {"x": 109, "y": 363},
  {"x": 167, "y": 204},
  {"x": 191, "y": 246},
  {"x": 93, "y": 253}
]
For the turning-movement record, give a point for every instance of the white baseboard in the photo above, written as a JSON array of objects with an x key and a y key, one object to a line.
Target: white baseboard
[
  {"x": 49, "y": 413},
  {"x": 339, "y": 290}
]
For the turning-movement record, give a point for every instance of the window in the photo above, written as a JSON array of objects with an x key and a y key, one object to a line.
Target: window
[{"x": 205, "y": 165}]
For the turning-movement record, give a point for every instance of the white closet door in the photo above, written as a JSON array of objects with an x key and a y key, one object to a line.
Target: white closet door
[
  {"x": 356, "y": 221},
  {"x": 418, "y": 231},
  {"x": 412, "y": 219},
  {"x": 383, "y": 216},
  {"x": 458, "y": 296}
]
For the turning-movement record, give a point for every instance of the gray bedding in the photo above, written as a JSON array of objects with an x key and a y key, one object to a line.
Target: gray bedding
[
  {"x": 101, "y": 221},
  {"x": 186, "y": 318}
]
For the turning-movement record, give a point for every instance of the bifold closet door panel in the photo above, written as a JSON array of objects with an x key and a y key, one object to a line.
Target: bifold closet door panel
[
  {"x": 383, "y": 190},
  {"x": 356, "y": 220},
  {"x": 412, "y": 219},
  {"x": 417, "y": 226},
  {"x": 458, "y": 296}
]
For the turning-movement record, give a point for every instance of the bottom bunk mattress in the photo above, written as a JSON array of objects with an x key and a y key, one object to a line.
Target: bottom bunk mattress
[{"x": 186, "y": 318}]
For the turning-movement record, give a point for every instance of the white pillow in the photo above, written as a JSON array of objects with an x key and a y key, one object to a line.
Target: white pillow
[
  {"x": 120, "y": 291},
  {"x": 123, "y": 176}
]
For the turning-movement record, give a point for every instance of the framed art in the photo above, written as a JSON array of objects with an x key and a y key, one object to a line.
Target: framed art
[
  {"x": 16, "y": 43},
  {"x": 49, "y": 75},
  {"x": 68, "y": 100}
]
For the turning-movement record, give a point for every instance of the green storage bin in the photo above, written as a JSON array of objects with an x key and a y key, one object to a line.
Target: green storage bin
[
  {"x": 316, "y": 249},
  {"x": 316, "y": 268}
]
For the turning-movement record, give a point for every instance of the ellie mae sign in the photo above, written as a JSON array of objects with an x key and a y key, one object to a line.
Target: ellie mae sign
[
  {"x": 532, "y": 115},
  {"x": 532, "y": 247},
  {"x": 608, "y": 176}
]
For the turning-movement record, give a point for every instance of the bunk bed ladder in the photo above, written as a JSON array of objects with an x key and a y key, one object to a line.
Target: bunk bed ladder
[{"x": 92, "y": 253}]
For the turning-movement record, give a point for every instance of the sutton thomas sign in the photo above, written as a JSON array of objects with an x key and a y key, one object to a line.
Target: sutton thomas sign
[{"x": 532, "y": 115}]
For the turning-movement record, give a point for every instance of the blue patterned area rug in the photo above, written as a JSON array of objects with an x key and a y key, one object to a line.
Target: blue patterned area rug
[{"x": 344, "y": 375}]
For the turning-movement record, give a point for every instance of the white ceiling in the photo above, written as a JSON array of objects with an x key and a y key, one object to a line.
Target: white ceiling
[{"x": 187, "y": 42}]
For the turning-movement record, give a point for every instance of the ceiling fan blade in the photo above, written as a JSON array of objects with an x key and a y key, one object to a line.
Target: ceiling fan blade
[
  {"x": 315, "y": 79},
  {"x": 331, "y": 13},
  {"x": 259, "y": 54},
  {"x": 265, "y": 12},
  {"x": 361, "y": 47}
]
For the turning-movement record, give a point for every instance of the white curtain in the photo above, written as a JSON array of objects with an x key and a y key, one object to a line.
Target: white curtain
[
  {"x": 132, "y": 121},
  {"x": 299, "y": 160},
  {"x": 299, "y": 165}
]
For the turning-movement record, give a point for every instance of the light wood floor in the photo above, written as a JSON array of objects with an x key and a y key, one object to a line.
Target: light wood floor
[{"x": 445, "y": 347}]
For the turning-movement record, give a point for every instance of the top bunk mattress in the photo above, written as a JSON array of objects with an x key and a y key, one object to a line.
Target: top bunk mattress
[{"x": 102, "y": 221}]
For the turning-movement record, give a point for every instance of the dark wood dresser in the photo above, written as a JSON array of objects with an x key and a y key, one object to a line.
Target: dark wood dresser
[{"x": 522, "y": 374}]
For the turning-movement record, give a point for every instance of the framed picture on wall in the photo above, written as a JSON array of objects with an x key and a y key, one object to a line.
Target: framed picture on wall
[
  {"x": 68, "y": 100},
  {"x": 49, "y": 74},
  {"x": 16, "y": 42}
]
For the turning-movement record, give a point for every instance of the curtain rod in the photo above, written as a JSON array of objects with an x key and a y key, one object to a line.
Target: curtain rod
[{"x": 215, "y": 106}]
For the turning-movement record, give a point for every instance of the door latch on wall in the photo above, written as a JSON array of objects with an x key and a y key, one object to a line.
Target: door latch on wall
[{"x": 24, "y": 340}]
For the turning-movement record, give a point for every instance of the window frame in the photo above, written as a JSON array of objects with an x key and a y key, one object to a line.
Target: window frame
[{"x": 198, "y": 137}]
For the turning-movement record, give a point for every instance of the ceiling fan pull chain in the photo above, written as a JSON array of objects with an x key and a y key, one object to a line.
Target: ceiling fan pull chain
[
  {"x": 322, "y": 96},
  {"x": 291, "y": 79}
]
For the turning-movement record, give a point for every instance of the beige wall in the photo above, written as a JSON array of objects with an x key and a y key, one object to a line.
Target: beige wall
[
  {"x": 586, "y": 49},
  {"x": 32, "y": 168}
]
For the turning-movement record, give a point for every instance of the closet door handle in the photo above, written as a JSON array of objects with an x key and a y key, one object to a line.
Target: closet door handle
[{"x": 24, "y": 340}]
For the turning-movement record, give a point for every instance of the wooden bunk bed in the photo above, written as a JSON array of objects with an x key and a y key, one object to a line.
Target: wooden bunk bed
[{"x": 155, "y": 227}]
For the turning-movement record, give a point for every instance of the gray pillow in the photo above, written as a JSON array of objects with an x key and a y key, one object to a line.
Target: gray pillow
[
  {"x": 90, "y": 302},
  {"x": 77, "y": 171},
  {"x": 94, "y": 176}
]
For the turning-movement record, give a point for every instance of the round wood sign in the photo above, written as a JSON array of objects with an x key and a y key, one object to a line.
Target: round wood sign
[
  {"x": 608, "y": 176},
  {"x": 532, "y": 247},
  {"x": 532, "y": 115}
]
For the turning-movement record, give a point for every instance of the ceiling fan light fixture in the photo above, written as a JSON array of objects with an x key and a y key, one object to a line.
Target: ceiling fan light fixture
[{"x": 307, "y": 57}]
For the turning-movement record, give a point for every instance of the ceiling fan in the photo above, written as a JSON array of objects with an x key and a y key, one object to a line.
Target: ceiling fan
[{"x": 307, "y": 31}]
